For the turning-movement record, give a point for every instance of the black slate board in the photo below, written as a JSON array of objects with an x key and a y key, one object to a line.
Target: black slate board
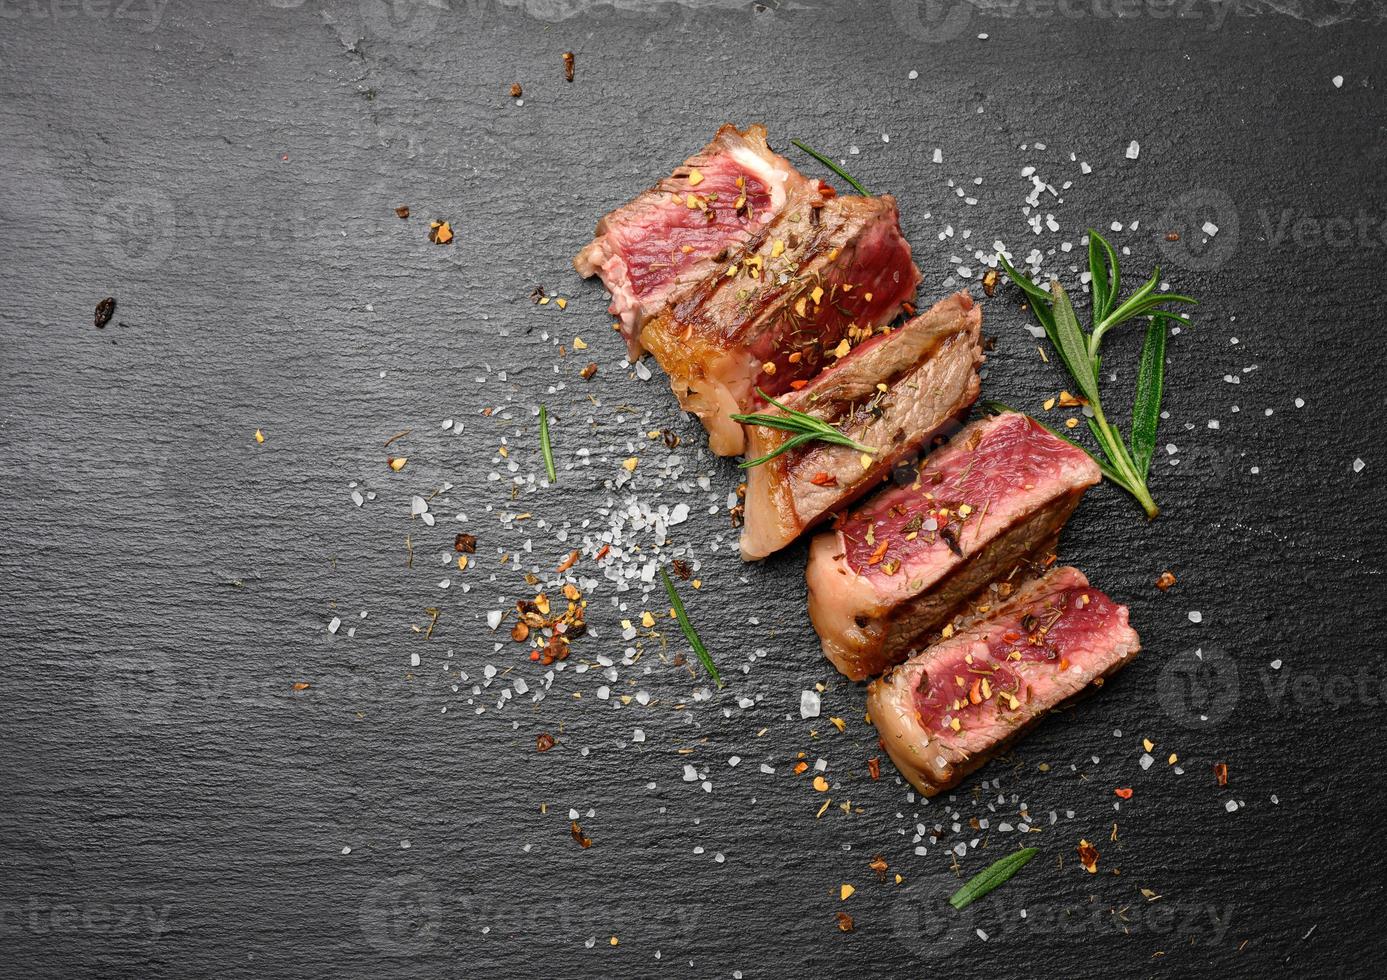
[{"x": 170, "y": 807}]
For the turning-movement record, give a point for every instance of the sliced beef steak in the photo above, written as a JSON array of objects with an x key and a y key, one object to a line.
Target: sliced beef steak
[
  {"x": 898, "y": 568},
  {"x": 782, "y": 309},
  {"x": 893, "y": 393},
  {"x": 947, "y": 710},
  {"x": 657, "y": 247}
]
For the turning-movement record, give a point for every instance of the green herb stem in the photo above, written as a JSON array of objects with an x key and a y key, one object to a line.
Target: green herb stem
[
  {"x": 991, "y": 877},
  {"x": 834, "y": 167},
  {"x": 690, "y": 633},
  {"x": 1125, "y": 462},
  {"x": 803, "y": 428},
  {"x": 544, "y": 446}
]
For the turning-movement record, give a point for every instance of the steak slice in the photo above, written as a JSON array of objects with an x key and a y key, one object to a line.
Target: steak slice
[
  {"x": 947, "y": 710},
  {"x": 782, "y": 308},
  {"x": 893, "y": 393},
  {"x": 899, "y": 567},
  {"x": 655, "y": 248}
]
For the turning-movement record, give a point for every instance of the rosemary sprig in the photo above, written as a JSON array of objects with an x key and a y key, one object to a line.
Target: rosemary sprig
[
  {"x": 834, "y": 167},
  {"x": 806, "y": 428},
  {"x": 1126, "y": 463},
  {"x": 544, "y": 446},
  {"x": 690, "y": 633},
  {"x": 990, "y": 877}
]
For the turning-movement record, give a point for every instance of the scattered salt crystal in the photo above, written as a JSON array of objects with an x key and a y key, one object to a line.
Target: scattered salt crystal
[
  {"x": 1276, "y": 664},
  {"x": 1210, "y": 228},
  {"x": 1300, "y": 403},
  {"x": 913, "y": 75},
  {"x": 690, "y": 774},
  {"x": 1338, "y": 81},
  {"x": 493, "y": 617},
  {"x": 1196, "y": 616},
  {"x": 414, "y": 660},
  {"x": 1146, "y": 760},
  {"x": 981, "y": 935},
  {"x": 1358, "y": 465},
  {"x": 734, "y": 761},
  {"x": 332, "y": 626},
  {"x": 1231, "y": 805},
  {"x": 809, "y": 704},
  {"x": 938, "y": 155},
  {"x": 1133, "y": 149},
  {"x": 638, "y": 735}
]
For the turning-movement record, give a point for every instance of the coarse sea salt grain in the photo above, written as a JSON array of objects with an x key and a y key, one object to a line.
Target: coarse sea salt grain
[
  {"x": 809, "y": 704},
  {"x": 1196, "y": 616},
  {"x": 1338, "y": 81},
  {"x": 1133, "y": 150},
  {"x": 1358, "y": 465}
]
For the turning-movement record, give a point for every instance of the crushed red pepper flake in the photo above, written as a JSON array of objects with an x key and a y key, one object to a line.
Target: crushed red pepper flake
[
  {"x": 466, "y": 544},
  {"x": 1221, "y": 773},
  {"x": 589, "y": 372},
  {"x": 1165, "y": 580},
  {"x": 822, "y": 479},
  {"x": 1123, "y": 792},
  {"x": 874, "y": 767},
  {"x": 878, "y": 864},
  {"x": 300, "y": 686},
  {"x": 568, "y": 562},
  {"x": 402, "y": 212},
  {"x": 1088, "y": 856},
  {"x": 515, "y": 90},
  {"x": 544, "y": 742},
  {"x": 568, "y": 66},
  {"x": 989, "y": 282},
  {"x": 845, "y": 923},
  {"x": 441, "y": 232},
  {"x": 602, "y": 552},
  {"x": 584, "y": 841}
]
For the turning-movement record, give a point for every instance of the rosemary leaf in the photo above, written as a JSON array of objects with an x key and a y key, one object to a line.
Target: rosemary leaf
[
  {"x": 1102, "y": 267},
  {"x": 1146, "y": 408},
  {"x": 690, "y": 633},
  {"x": 990, "y": 877},
  {"x": 834, "y": 167},
  {"x": 1072, "y": 346},
  {"x": 545, "y": 447},
  {"x": 805, "y": 428}
]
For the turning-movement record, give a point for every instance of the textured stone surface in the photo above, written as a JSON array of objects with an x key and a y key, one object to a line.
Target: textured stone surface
[{"x": 170, "y": 807}]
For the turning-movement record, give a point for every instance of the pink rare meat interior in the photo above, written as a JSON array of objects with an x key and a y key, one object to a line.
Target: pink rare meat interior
[
  {"x": 972, "y": 687},
  {"x": 663, "y": 248},
  {"x": 1010, "y": 456}
]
